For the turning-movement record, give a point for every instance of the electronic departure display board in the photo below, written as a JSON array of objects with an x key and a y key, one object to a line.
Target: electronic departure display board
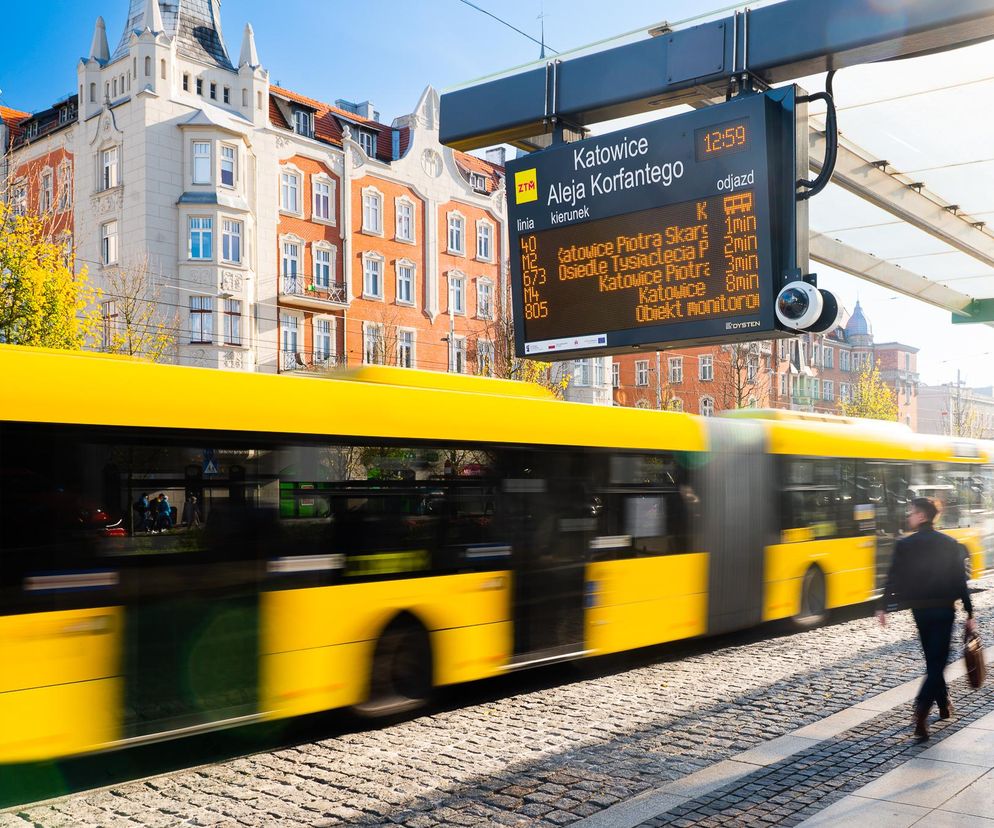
[{"x": 676, "y": 231}]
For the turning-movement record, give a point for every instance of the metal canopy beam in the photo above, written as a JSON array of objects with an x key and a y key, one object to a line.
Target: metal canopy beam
[
  {"x": 858, "y": 173},
  {"x": 848, "y": 259},
  {"x": 777, "y": 43}
]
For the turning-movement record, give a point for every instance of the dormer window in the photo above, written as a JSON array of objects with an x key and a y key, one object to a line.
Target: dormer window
[
  {"x": 303, "y": 123},
  {"x": 213, "y": 91},
  {"x": 478, "y": 182},
  {"x": 367, "y": 140},
  {"x": 32, "y": 129}
]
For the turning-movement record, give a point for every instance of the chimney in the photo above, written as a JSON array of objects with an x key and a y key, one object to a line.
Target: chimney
[{"x": 496, "y": 155}]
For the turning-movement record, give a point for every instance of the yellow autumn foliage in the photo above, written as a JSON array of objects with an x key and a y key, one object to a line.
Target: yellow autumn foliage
[
  {"x": 871, "y": 398},
  {"x": 42, "y": 301}
]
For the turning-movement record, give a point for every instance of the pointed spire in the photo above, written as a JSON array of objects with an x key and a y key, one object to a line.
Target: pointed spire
[
  {"x": 153, "y": 17},
  {"x": 249, "y": 55},
  {"x": 99, "y": 50}
]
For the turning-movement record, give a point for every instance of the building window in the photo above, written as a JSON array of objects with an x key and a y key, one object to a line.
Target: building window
[
  {"x": 148, "y": 67},
  {"x": 676, "y": 404},
  {"x": 844, "y": 360},
  {"x": 405, "y": 283},
  {"x": 290, "y": 267},
  {"x": 245, "y": 98},
  {"x": 456, "y": 234},
  {"x": 485, "y": 357},
  {"x": 783, "y": 385},
  {"x": 752, "y": 367},
  {"x": 108, "y": 318},
  {"x": 828, "y": 390},
  {"x": 93, "y": 93},
  {"x": 227, "y": 94},
  {"x": 213, "y": 91},
  {"x": 675, "y": 370},
  {"x": 457, "y": 294},
  {"x": 109, "y": 163},
  {"x": 372, "y": 344},
  {"x": 844, "y": 391},
  {"x": 186, "y": 81},
  {"x": 45, "y": 193},
  {"x": 65, "y": 187},
  {"x": 706, "y": 368},
  {"x": 200, "y": 86},
  {"x": 405, "y": 348},
  {"x": 201, "y": 237},
  {"x": 828, "y": 356},
  {"x": 458, "y": 365},
  {"x": 581, "y": 373},
  {"x": 815, "y": 388},
  {"x": 162, "y": 70},
  {"x": 201, "y": 162},
  {"x": 641, "y": 373},
  {"x": 707, "y": 407},
  {"x": 322, "y": 200},
  {"x": 231, "y": 241},
  {"x": 108, "y": 243},
  {"x": 323, "y": 259},
  {"x": 232, "y": 322},
  {"x": 907, "y": 362},
  {"x": 485, "y": 241},
  {"x": 19, "y": 199},
  {"x": 302, "y": 123},
  {"x": 289, "y": 328},
  {"x": 615, "y": 375},
  {"x": 227, "y": 166},
  {"x": 201, "y": 319},
  {"x": 478, "y": 182},
  {"x": 289, "y": 192},
  {"x": 484, "y": 299},
  {"x": 322, "y": 340},
  {"x": 372, "y": 277},
  {"x": 405, "y": 221},
  {"x": 367, "y": 140},
  {"x": 372, "y": 211},
  {"x": 598, "y": 372}
]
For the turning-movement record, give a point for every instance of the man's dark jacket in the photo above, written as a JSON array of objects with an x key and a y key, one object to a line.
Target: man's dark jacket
[{"x": 927, "y": 570}]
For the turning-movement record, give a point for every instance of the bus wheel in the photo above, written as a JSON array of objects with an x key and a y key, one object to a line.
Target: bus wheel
[
  {"x": 400, "y": 679},
  {"x": 813, "y": 612}
]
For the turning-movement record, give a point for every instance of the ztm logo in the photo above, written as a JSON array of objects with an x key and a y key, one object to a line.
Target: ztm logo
[{"x": 525, "y": 186}]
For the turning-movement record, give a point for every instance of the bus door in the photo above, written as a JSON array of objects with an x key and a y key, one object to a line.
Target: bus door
[
  {"x": 543, "y": 509},
  {"x": 191, "y": 593},
  {"x": 891, "y": 515}
]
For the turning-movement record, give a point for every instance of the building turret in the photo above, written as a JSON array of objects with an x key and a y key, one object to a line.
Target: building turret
[
  {"x": 254, "y": 103},
  {"x": 858, "y": 329},
  {"x": 89, "y": 72}
]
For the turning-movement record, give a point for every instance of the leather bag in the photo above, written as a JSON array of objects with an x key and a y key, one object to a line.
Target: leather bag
[{"x": 973, "y": 654}]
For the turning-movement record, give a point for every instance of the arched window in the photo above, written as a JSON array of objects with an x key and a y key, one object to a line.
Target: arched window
[
  {"x": 93, "y": 93},
  {"x": 162, "y": 68},
  {"x": 148, "y": 66},
  {"x": 245, "y": 98},
  {"x": 707, "y": 407},
  {"x": 114, "y": 87},
  {"x": 258, "y": 100}
]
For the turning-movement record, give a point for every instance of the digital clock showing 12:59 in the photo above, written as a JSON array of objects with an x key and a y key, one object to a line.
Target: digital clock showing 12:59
[{"x": 721, "y": 139}]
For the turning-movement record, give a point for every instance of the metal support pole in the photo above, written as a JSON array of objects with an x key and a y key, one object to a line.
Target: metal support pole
[{"x": 659, "y": 382}]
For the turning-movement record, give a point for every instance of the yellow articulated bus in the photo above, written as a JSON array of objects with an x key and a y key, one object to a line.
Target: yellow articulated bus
[{"x": 184, "y": 549}]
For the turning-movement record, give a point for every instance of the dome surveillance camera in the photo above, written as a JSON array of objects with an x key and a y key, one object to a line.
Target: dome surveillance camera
[{"x": 799, "y": 305}]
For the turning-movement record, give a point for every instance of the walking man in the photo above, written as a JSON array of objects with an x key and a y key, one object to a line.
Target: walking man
[{"x": 927, "y": 575}]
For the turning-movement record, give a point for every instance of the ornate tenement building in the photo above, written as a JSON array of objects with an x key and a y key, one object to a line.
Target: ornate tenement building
[{"x": 284, "y": 233}]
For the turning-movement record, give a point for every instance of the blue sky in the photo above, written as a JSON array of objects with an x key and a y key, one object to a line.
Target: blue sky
[{"x": 387, "y": 51}]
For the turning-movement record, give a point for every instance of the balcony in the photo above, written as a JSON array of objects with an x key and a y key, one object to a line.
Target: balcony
[
  {"x": 309, "y": 361},
  {"x": 299, "y": 291}
]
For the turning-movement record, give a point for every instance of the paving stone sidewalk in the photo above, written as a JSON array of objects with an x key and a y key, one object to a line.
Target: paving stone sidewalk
[{"x": 805, "y": 783}]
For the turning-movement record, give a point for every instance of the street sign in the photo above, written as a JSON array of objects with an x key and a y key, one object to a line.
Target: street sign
[{"x": 679, "y": 231}]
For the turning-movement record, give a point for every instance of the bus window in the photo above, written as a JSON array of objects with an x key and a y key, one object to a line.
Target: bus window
[{"x": 809, "y": 498}]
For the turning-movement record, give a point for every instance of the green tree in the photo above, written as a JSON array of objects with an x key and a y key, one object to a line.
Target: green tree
[
  {"x": 42, "y": 301},
  {"x": 871, "y": 398}
]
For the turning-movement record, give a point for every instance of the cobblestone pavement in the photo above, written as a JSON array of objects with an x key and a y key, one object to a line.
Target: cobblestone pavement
[
  {"x": 544, "y": 757},
  {"x": 790, "y": 791}
]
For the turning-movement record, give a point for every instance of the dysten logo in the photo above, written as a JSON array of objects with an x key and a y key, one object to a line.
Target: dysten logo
[{"x": 525, "y": 186}]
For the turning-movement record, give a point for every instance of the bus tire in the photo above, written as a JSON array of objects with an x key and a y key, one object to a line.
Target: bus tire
[
  {"x": 812, "y": 612},
  {"x": 400, "y": 676}
]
